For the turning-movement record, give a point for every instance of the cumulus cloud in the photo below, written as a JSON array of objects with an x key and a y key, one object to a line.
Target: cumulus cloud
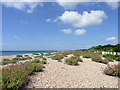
[
  {"x": 114, "y": 39},
  {"x": 29, "y": 7},
  {"x": 67, "y": 31},
  {"x": 83, "y": 20},
  {"x": 69, "y": 5},
  {"x": 112, "y": 5},
  {"x": 80, "y": 32}
]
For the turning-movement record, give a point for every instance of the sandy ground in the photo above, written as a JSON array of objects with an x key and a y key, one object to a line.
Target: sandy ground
[{"x": 59, "y": 75}]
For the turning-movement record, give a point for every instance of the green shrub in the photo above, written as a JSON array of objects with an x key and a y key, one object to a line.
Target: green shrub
[
  {"x": 38, "y": 57},
  {"x": 36, "y": 61},
  {"x": 35, "y": 53},
  {"x": 43, "y": 62},
  {"x": 72, "y": 62},
  {"x": 8, "y": 62},
  {"x": 57, "y": 57},
  {"x": 112, "y": 70},
  {"x": 79, "y": 60},
  {"x": 14, "y": 77},
  {"x": 86, "y": 56},
  {"x": 26, "y": 55},
  {"x": 99, "y": 60},
  {"x": 44, "y": 58},
  {"x": 19, "y": 56}
]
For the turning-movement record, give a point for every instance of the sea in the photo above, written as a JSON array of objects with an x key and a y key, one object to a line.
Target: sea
[{"x": 6, "y": 53}]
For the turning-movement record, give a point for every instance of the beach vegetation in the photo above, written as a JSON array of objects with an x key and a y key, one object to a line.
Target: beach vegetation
[
  {"x": 112, "y": 69},
  {"x": 16, "y": 76},
  {"x": 35, "y": 53},
  {"x": 57, "y": 57},
  {"x": 99, "y": 60},
  {"x": 19, "y": 55}
]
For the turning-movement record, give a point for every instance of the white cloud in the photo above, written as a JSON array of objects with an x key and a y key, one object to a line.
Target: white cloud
[
  {"x": 69, "y": 5},
  {"x": 67, "y": 31},
  {"x": 29, "y": 7},
  {"x": 48, "y": 20},
  {"x": 111, "y": 39},
  {"x": 80, "y": 32},
  {"x": 83, "y": 20},
  {"x": 112, "y": 5}
]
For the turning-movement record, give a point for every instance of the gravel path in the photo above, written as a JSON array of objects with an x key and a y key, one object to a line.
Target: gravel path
[{"x": 59, "y": 75}]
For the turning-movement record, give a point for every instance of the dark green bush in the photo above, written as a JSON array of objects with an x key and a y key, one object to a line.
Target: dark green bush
[
  {"x": 79, "y": 60},
  {"x": 99, "y": 60},
  {"x": 19, "y": 56},
  {"x": 86, "y": 56},
  {"x": 35, "y": 53},
  {"x": 36, "y": 61},
  {"x": 57, "y": 57},
  {"x": 44, "y": 58},
  {"x": 8, "y": 62},
  {"x": 43, "y": 62},
  {"x": 72, "y": 62}
]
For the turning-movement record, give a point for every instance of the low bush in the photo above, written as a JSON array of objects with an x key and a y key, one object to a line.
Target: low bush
[
  {"x": 58, "y": 57},
  {"x": 99, "y": 60},
  {"x": 36, "y": 61},
  {"x": 79, "y": 60},
  {"x": 38, "y": 57},
  {"x": 35, "y": 53},
  {"x": 8, "y": 62},
  {"x": 19, "y": 56},
  {"x": 44, "y": 58},
  {"x": 26, "y": 55},
  {"x": 43, "y": 62},
  {"x": 112, "y": 69},
  {"x": 112, "y": 57},
  {"x": 71, "y": 62},
  {"x": 14, "y": 77},
  {"x": 20, "y": 59},
  {"x": 86, "y": 56}
]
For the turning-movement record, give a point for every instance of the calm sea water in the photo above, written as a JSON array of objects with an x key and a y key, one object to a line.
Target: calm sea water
[{"x": 5, "y": 53}]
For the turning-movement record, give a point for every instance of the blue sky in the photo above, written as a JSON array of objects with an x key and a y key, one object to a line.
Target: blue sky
[{"x": 58, "y": 26}]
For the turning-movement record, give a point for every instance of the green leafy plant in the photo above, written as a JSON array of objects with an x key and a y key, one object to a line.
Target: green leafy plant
[
  {"x": 86, "y": 56},
  {"x": 14, "y": 77},
  {"x": 35, "y": 53},
  {"x": 99, "y": 60},
  {"x": 72, "y": 62},
  {"x": 19, "y": 56}
]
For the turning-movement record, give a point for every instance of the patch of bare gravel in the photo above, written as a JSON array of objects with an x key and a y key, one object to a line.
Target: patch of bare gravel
[{"x": 59, "y": 75}]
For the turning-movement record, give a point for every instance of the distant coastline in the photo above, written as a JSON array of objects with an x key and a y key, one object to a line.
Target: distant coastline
[{"x": 6, "y": 53}]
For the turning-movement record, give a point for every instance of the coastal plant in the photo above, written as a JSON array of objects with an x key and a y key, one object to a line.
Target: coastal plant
[
  {"x": 43, "y": 62},
  {"x": 57, "y": 57},
  {"x": 71, "y": 62},
  {"x": 15, "y": 76},
  {"x": 44, "y": 58},
  {"x": 112, "y": 69},
  {"x": 112, "y": 57},
  {"x": 8, "y": 62},
  {"x": 79, "y": 60},
  {"x": 19, "y": 56},
  {"x": 38, "y": 57},
  {"x": 99, "y": 60},
  {"x": 36, "y": 61},
  {"x": 35, "y": 53},
  {"x": 86, "y": 56}
]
